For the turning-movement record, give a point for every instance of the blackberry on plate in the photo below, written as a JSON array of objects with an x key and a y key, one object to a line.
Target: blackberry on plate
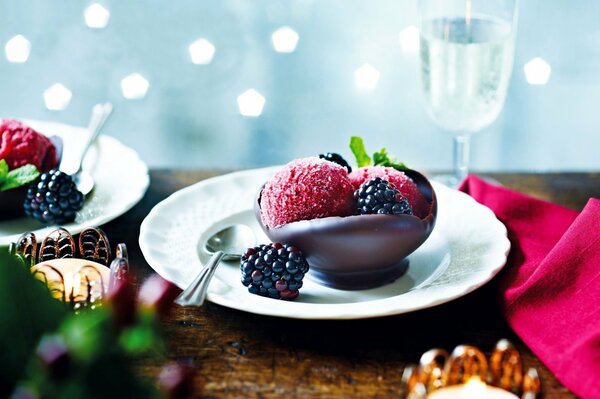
[
  {"x": 336, "y": 158},
  {"x": 380, "y": 196},
  {"x": 53, "y": 198},
  {"x": 273, "y": 270}
]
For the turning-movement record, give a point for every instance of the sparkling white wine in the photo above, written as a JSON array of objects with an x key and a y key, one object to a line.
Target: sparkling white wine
[{"x": 466, "y": 65}]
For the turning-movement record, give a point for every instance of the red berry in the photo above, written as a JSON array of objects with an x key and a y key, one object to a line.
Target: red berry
[
  {"x": 122, "y": 301},
  {"x": 54, "y": 354},
  {"x": 158, "y": 294},
  {"x": 175, "y": 381}
]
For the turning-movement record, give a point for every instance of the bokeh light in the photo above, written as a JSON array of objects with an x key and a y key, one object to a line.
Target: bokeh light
[
  {"x": 134, "y": 86},
  {"x": 409, "y": 39},
  {"x": 285, "y": 40},
  {"x": 57, "y": 97},
  {"x": 17, "y": 49},
  {"x": 366, "y": 77},
  {"x": 96, "y": 16},
  {"x": 537, "y": 71},
  {"x": 251, "y": 103},
  {"x": 202, "y": 52}
]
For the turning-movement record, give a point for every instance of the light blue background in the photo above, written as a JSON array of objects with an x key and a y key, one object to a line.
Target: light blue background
[{"x": 190, "y": 119}]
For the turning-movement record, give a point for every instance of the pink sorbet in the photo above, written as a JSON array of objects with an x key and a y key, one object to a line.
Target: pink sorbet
[
  {"x": 304, "y": 189},
  {"x": 20, "y": 145},
  {"x": 403, "y": 183}
]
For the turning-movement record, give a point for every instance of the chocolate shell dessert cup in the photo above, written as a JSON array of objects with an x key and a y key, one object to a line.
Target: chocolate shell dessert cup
[
  {"x": 11, "y": 203},
  {"x": 360, "y": 251}
]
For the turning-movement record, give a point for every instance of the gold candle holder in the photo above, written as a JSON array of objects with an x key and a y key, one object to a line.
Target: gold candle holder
[
  {"x": 78, "y": 275},
  {"x": 442, "y": 375}
]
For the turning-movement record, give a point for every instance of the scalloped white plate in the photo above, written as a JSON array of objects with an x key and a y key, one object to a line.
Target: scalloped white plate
[
  {"x": 121, "y": 180},
  {"x": 466, "y": 249}
]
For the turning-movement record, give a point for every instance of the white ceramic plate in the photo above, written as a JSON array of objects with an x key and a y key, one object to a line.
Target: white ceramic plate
[
  {"x": 121, "y": 179},
  {"x": 466, "y": 249}
]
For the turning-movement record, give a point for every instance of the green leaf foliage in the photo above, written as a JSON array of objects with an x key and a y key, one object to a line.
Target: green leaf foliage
[
  {"x": 98, "y": 353},
  {"x": 27, "y": 311},
  {"x": 19, "y": 177},
  {"x": 3, "y": 171},
  {"x": 382, "y": 158},
  {"x": 99, "y": 367},
  {"x": 360, "y": 153}
]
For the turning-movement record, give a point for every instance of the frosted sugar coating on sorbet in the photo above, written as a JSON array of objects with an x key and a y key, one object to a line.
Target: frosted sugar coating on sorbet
[
  {"x": 304, "y": 189},
  {"x": 403, "y": 183},
  {"x": 20, "y": 145}
]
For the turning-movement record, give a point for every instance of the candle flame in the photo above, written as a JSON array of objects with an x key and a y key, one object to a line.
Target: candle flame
[
  {"x": 474, "y": 389},
  {"x": 75, "y": 285}
]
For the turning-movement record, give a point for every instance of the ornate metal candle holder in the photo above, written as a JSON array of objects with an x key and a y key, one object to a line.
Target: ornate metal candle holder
[
  {"x": 437, "y": 369},
  {"x": 77, "y": 274}
]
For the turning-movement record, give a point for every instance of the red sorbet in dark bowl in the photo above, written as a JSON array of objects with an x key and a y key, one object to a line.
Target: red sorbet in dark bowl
[
  {"x": 360, "y": 251},
  {"x": 20, "y": 145}
]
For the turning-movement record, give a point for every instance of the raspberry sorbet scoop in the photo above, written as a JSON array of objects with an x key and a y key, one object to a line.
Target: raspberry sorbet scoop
[
  {"x": 403, "y": 183},
  {"x": 304, "y": 189},
  {"x": 20, "y": 145}
]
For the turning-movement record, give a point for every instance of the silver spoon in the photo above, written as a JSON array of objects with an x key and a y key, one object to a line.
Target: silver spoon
[
  {"x": 226, "y": 244},
  {"x": 100, "y": 113}
]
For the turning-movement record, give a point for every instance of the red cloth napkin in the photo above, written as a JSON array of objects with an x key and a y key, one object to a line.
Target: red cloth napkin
[{"x": 550, "y": 287}]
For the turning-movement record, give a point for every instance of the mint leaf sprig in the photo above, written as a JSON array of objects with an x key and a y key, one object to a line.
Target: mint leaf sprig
[
  {"x": 17, "y": 177},
  {"x": 3, "y": 171},
  {"x": 360, "y": 153},
  {"x": 380, "y": 158}
]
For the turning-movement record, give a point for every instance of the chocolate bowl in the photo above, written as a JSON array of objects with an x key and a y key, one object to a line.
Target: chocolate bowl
[
  {"x": 11, "y": 203},
  {"x": 361, "y": 251}
]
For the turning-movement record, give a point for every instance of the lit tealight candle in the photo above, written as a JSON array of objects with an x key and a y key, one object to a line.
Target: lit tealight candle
[
  {"x": 72, "y": 277},
  {"x": 473, "y": 389}
]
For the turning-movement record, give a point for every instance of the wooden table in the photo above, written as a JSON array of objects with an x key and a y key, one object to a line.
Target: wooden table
[{"x": 242, "y": 355}]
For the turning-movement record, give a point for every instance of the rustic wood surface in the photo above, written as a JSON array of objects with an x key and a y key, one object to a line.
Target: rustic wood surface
[{"x": 242, "y": 355}]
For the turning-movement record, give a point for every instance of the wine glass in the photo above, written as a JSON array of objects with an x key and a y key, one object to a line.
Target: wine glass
[{"x": 467, "y": 51}]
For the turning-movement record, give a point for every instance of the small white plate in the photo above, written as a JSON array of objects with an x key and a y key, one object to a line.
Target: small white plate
[
  {"x": 466, "y": 249},
  {"x": 121, "y": 179}
]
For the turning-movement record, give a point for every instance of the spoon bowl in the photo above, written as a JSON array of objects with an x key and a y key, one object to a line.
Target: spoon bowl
[
  {"x": 226, "y": 244},
  {"x": 84, "y": 182},
  {"x": 232, "y": 240}
]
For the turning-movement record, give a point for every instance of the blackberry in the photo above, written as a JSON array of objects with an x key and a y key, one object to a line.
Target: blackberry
[
  {"x": 273, "y": 270},
  {"x": 336, "y": 158},
  {"x": 380, "y": 196},
  {"x": 53, "y": 198}
]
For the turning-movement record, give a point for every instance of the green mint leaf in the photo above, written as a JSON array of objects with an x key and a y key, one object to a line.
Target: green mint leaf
[
  {"x": 3, "y": 171},
  {"x": 382, "y": 158},
  {"x": 401, "y": 166},
  {"x": 20, "y": 177},
  {"x": 358, "y": 149}
]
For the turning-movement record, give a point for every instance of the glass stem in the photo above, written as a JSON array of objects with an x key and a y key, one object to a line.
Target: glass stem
[{"x": 461, "y": 156}]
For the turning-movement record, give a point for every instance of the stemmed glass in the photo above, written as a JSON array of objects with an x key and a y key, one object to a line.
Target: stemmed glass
[{"x": 467, "y": 50}]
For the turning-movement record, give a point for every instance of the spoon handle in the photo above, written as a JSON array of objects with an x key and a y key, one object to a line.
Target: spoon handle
[
  {"x": 195, "y": 293},
  {"x": 100, "y": 114}
]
